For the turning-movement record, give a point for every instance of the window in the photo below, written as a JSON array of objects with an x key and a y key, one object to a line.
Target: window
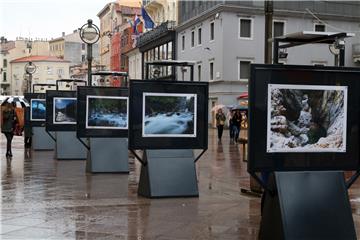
[
  {"x": 245, "y": 28},
  {"x": 4, "y": 76},
  {"x": 199, "y": 36},
  {"x": 212, "y": 31},
  {"x": 211, "y": 67},
  {"x": 244, "y": 69},
  {"x": 4, "y": 63},
  {"x": 279, "y": 28},
  {"x": 192, "y": 38},
  {"x": 82, "y": 58},
  {"x": 83, "y": 46},
  {"x": 199, "y": 72},
  {"x": 49, "y": 70},
  {"x": 183, "y": 42},
  {"x": 60, "y": 71},
  {"x": 319, "y": 27}
]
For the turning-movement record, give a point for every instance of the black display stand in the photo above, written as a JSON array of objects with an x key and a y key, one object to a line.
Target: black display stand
[
  {"x": 168, "y": 173},
  {"x": 307, "y": 205}
]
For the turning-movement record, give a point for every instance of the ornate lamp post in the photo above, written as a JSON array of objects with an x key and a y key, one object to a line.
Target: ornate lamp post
[
  {"x": 30, "y": 69},
  {"x": 89, "y": 34}
]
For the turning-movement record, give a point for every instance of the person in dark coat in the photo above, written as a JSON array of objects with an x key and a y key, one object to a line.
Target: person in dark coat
[
  {"x": 8, "y": 124},
  {"x": 236, "y": 122}
]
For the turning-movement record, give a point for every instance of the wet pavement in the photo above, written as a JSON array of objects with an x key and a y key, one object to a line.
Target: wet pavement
[{"x": 42, "y": 198}]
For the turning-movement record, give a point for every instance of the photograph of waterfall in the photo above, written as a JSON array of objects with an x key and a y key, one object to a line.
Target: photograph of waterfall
[
  {"x": 306, "y": 118},
  {"x": 169, "y": 115},
  {"x": 64, "y": 110},
  {"x": 106, "y": 112},
  {"x": 38, "y": 110}
]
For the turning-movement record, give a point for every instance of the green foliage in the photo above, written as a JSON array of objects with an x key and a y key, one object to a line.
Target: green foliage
[
  {"x": 156, "y": 104},
  {"x": 106, "y": 105}
]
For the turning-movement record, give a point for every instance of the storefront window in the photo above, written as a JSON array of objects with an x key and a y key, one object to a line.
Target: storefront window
[{"x": 169, "y": 50}]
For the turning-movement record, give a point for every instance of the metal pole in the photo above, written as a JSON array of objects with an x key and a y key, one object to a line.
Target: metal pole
[
  {"x": 30, "y": 80},
  {"x": 89, "y": 59},
  {"x": 192, "y": 73},
  {"x": 342, "y": 57},
  {"x": 276, "y": 51},
  {"x": 268, "y": 30}
]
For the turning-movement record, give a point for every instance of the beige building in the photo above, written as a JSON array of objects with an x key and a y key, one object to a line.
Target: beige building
[
  {"x": 21, "y": 47},
  {"x": 48, "y": 70},
  {"x": 108, "y": 20},
  {"x": 162, "y": 10}
]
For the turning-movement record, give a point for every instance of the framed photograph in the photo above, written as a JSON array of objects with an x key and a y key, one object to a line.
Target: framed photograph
[
  {"x": 300, "y": 120},
  {"x": 61, "y": 114},
  {"x": 64, "y": 110},
  {"x": 37, "y": 110},
  {"x": 102, "y": 112},
  {"x": 303, "y": 118},
  {"x": 106, "y": 112},
  {"x": 35, "y": 115},
  {"x": 169, "y": 115}
]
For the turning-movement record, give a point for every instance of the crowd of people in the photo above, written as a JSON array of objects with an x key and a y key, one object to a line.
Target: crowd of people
[{"x": 235, "y": 119}]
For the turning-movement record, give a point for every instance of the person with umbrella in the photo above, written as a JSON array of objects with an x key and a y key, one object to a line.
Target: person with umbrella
[
  {"x": 8, "y": 122},
  {"x": 12, "y": 119},
  {"x": 220, "y": 122}
]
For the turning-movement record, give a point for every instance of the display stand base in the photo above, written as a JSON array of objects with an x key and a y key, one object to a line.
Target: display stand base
[
  {"x": 307, "y": 205},
  {"x": 168, "y": 173},
  {"x": 41, "y": 141},
  {"x": 108, "y": 155},
  {"x": 68, "y": 147}
]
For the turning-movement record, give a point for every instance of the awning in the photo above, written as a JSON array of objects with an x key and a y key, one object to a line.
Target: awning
[{"x": 244, "y": 95}]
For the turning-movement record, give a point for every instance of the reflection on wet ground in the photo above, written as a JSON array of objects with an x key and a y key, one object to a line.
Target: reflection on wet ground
[{"x": 47, "y": 199}]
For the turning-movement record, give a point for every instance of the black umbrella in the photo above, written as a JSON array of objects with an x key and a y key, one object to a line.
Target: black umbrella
[{"x": 17, "y": 102}]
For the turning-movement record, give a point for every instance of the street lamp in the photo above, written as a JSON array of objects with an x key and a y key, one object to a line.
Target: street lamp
[
  {"x": 89, "y": 34},
  {"x": 30, "y": 69}
]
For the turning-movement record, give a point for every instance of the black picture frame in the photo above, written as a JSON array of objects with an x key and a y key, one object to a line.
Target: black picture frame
[
  {"x": 60, "y": 127},
  {"x": 84, "y": 92},
  {"x": 29, "y": 97},
  {"x": 138, "y": 89},
  {"x": 264, "y": 75}
]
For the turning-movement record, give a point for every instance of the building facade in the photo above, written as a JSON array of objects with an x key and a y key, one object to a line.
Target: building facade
[
  {"x": 162, "y": 10},
  {"x": 5, "y": 82},
  {"x": 70, "y": 47},
  {"x": 225, "y": 38},
  {"x": 48, "y": 70},
  {"x": 10, "y": 50}
]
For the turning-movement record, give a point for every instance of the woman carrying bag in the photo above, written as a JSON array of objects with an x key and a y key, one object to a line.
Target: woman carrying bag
[{"x": 8, "y": 124}]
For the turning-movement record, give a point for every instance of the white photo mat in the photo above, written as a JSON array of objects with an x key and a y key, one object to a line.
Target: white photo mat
[
  {"x": 54, "y": 106},
  {"x": 31, "y": 109},
  {"x": 145, "y": 94},
  {"x": 106, "y": 97},
  {"x": 306, "y": 87}
]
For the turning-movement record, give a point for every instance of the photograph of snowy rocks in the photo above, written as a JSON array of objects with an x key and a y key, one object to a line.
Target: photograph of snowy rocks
[{"x": 306, "y": 118}]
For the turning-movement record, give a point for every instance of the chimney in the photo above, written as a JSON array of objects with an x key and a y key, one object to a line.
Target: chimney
[{"x": 63, "y": 34}]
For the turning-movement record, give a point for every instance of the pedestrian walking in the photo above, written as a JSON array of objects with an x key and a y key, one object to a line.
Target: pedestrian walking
[
  {"x": 231, "y": 133},
  {"x": 220, "y": 122},
  {"x": 236, "y": 121},
  {"x": 8, "y": 123}
]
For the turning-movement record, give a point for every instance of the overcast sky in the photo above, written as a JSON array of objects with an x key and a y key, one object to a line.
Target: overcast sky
[{"x": 46, "y": 18}]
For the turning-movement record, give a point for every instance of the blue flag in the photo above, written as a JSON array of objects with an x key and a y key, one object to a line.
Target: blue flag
[{"x": 147, "y": 19}]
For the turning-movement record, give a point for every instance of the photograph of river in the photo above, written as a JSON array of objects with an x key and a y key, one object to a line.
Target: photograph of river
[
  {"x": 306, "y": 118},
  {"x": 38, "y": 109},
  {"x": 106, "y": 112},
  {"x": 64, "y": 110},
  {"x": 169, "y": 115}
]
